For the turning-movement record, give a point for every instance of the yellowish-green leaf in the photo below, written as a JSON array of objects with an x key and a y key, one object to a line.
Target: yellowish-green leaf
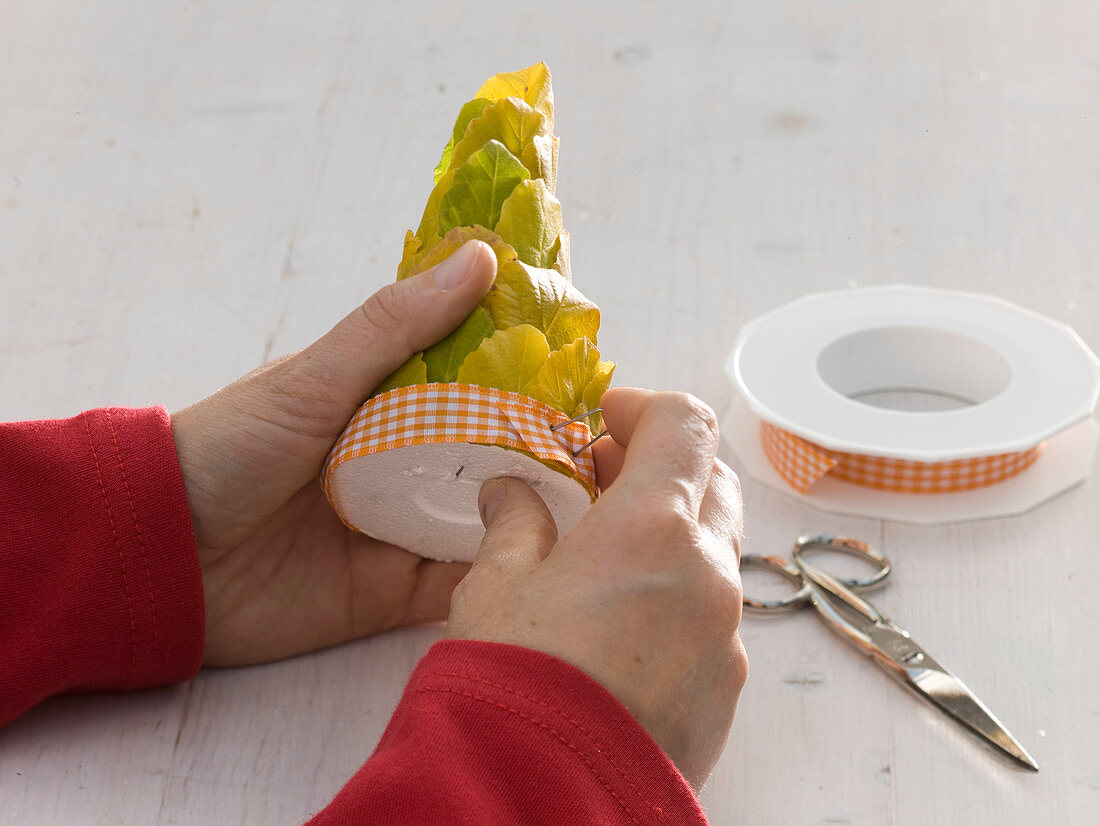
[
  {"x": 411, "y": 372},
  {"x": 532, "y": 85},
  {"x": 423, "y": 259},
  {"x": 543, "y": 299},
  {"x": 443, "y": 358},
  {"x": 565, "y": 375},
  {"x": 507, "y": 360},
  {"x": 469, "y": 111},
  {"x": 519, "y": 128},
  {"x": 593, "y": 393},
  {"x": 512, "y": 123},
  {"x": 530, "y": 220},
  {"x": 412, "y": 252},
  {"x": 480, "y": 188},
  {"x": 541, "y": 157},
  {"x": 561, "y": 263},
  {"x": 428, "y": 231}
]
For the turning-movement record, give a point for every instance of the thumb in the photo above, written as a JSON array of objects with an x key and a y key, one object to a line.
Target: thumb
[
  {"x": 399, "y": 320},
  {"x": 519, "y": 529}
]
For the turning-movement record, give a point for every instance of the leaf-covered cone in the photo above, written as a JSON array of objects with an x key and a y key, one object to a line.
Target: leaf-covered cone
[{"x": 534, "y": 333}]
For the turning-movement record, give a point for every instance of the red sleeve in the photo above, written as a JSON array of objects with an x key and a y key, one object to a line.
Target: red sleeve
[
  {"x": 100, "y": 589},
  {"x": 489, "y": 733},
  {"x": 100, "y": 585}
]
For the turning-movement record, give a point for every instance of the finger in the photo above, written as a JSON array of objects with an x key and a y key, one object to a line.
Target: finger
[
  {"x": 608, "y": 456},
  {"x": 399, "y": 320},
  {"x": 519, "y": 529},
  {"x": 721, "y": 512},
  {"x": 670, "y": 441},
  {"x": 431, "y": 599}
]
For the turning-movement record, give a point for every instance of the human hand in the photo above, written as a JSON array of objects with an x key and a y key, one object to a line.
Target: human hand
[
  {"x": 281, "y": 574},
  {"x": 644, "y": 594}
]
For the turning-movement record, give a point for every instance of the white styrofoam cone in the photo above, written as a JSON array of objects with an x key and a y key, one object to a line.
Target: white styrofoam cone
[{"x": 424, "y": 497}]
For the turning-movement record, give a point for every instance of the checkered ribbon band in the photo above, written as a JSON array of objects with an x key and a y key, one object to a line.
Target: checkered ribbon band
[
  {"x": 439, "y": 413},
  {"x": 802, "y": 463}
]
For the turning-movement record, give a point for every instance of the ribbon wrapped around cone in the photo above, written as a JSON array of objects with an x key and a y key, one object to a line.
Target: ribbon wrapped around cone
[{"x": 481, "y": 403}]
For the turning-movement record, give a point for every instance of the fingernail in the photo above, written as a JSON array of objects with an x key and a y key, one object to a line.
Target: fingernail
[
  {"x": 452, "y": 272},
  {"x": 492, "y": 494}
]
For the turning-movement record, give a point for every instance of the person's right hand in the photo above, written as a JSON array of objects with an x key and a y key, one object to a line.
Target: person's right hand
[{"x": 644, "y": 594}]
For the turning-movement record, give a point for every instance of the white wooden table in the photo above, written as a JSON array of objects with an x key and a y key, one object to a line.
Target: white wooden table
[{"x": 188, "y": 189}]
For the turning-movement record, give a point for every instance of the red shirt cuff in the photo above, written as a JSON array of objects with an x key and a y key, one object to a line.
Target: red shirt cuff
[
  {"x": 502, "y": 734},
  {"x": 100, "y": 586}
]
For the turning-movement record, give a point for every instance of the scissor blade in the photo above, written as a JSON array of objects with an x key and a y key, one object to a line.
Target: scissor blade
[{"x": 913, "y": 666}]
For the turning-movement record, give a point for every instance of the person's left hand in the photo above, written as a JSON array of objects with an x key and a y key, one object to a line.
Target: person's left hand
[{"x": 281, "y": 574}]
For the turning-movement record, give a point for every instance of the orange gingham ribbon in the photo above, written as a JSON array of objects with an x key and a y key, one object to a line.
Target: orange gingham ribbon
[
  {"x": 801, "y": 463},
  {"x": 438, "y": 413}
]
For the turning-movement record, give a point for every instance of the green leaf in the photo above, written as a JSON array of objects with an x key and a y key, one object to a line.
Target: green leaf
[
  {"x": 543, "y": 299},
  {"x": 443, "y": 359},
  {"x": 562, "y": 380},
  {"x": 530, "y": 220},
  {"x": 512, "y": 123},
  {"x": 480, "y": 188},
  {"x": 531, "y": 85},
  {"x": 411, "y": 372},
  {"x": 507, "y": 360},
  {"x": 469, "y": 111}
]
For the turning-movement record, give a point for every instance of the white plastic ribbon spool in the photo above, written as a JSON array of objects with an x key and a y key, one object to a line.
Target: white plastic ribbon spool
[{"x": 1024, "y": 380}]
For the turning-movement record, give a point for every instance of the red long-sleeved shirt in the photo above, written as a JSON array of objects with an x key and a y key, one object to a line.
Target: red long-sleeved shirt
[{"x": 100, "y": 589}]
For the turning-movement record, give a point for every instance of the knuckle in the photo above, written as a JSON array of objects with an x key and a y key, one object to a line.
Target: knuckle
[
  {"x": 663, "y": 522},
  {"x": 387, "y": 310},
  {"x": 720, "y": 600},
  {"x": 467, "y": 592},
  {"x": 694, "y": 412},
  {"x": 725, "y": 476},
  {"x": 740, "y": 664}
]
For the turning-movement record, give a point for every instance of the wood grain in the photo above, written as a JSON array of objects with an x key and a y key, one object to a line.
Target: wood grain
[{"x": 187, "y": 190}]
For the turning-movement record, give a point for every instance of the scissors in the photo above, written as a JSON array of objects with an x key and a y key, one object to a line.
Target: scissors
[{"x": 876, "y": 635}]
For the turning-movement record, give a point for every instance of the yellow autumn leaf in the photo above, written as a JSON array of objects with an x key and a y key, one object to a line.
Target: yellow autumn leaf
[
  {"x": 428, "y": 231},
  {"x": 420, "y": 259},
  {"x": 532, "y": 85},
  {"x": 507, "y": 360},
  {"x": 593, "y": 393},
  {"x": 561, "y": 263},
  {"x": 412, "y": 251},
  {"x": 543, "y": 299},
  {"x": 511, "y": 122},
  {"x": 562, "y": 380},
  {"x": 541, "y": 157}
]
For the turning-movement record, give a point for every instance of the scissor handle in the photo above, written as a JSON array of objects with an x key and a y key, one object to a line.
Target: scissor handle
[
  {"x": 840, "y": 544},
  {"x": 784, "y": 568}
]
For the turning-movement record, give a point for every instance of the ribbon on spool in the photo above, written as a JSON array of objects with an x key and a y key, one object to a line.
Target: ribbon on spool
[{"x": 801, "y": 463}]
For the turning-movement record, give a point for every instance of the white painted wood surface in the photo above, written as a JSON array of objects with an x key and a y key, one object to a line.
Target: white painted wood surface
[{"x": 188, "y": 189}]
